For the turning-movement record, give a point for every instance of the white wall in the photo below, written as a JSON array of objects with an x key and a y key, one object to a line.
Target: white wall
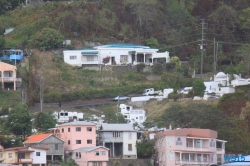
[
  {"x": 127, "y": 141},
  {"x": 38, "y": 159},
  {"x": 75, "y": 62}
]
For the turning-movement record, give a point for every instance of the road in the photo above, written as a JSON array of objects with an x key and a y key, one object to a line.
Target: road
[{"x": 69, "y": 104}]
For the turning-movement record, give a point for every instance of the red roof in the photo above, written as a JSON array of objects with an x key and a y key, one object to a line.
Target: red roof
[{"x": 37, "y": 138}]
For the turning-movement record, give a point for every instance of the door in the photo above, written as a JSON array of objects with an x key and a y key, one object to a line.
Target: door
[{"x": 113, "y": 62}]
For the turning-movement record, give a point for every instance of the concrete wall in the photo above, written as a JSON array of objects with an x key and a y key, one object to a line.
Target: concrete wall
[{"x": 134, "y": 162}]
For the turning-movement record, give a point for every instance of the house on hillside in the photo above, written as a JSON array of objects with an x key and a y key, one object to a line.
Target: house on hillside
[
  {"x": 76, "y": 135},
  {"x": 189, "y": 146},
  {"x": 28, "y": 155},
  {"x": 13, "y": 55},
  {"x": 133, "y": 115},
  {"x": 54, "y": 145},
  {"x": 119, "y": 54},
  {"x": 97, "y": 155},
  {"x": 8, "y": 74},
  {"x": 120, "y": 139}
]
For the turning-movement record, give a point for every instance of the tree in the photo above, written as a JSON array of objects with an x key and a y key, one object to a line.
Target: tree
[
  {"x": 152, "y": 42},
  {"x": 173, "y": 80},
  {"x": 44, "y": 121},
  {"x": 2, "y": 42},
  {"x": 145, "y": 149},
  {"x": 198, "y": 87},
  {"x": 47, "y": 38},
  {"x": 145, "y": 11},
  {"x": 19, "y": 121}
]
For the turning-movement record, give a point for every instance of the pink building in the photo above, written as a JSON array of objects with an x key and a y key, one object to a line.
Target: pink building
[
  {"x": 91, "y": 156},
  {"x": 77, "y": 134},
  {"x": 189, "y": 146}
]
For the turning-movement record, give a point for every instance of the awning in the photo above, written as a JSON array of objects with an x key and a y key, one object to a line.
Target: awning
[
  {"x": 131, "y": 52},
  {"x": 89, "y": 52}
]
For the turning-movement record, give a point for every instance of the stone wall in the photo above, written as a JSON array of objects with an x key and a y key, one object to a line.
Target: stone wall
[{"x": 130, "y": 162}]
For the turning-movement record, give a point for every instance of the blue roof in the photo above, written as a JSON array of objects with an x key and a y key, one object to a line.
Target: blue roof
[{"x": 123, "y": 46}]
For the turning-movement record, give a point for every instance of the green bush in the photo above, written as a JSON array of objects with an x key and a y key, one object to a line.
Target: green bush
[
  {"x": 157, "y": 68},
  {"x": 140, "y": 67},
  {"x": 174, "y": 96},
  {"x": 47, "y": 38}
]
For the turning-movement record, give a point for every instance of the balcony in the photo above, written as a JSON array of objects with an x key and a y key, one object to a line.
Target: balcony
[
  {"x": 193, "y": 162},
  {"x": 198, "y": 148},
  {"x": 89, "y": 62},
  {"x": 10, "y": 79},
  {"x": 25, "y": 161}
]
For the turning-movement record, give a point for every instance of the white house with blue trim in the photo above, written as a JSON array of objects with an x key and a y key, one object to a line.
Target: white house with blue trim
[{"x": 118, "y": 53}]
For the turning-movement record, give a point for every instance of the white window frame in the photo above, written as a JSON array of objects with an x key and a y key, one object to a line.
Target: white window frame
[
  {"x": 10, "y": 155},
  {"x": 72, "y": 57},
  {"x": 38, "y": 154},
  {"x": 90, "y": 58}
]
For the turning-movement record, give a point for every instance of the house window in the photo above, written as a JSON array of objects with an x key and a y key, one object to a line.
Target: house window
[
  {"x": 68, "y": 142},
  {"x": 68, "y": 129},
  {"x": 129, "y": 147},
  {"x": 89, "y": 129},
  {"x": 96, "y": 153},
  {"x": 130, "y": 135},
  {"x": 124, "y": 58},
  {"x": 10, "y": 155},
  {"x": 56, "y": 146},
  {"x": 89, "y": 141},
  {"x": 170, "y": 155},
  {"x": 90, "y": 58},
  {"x": 78, "y": 128},
  {"x": 62, "y": 130},
  {"x": 170, "y": 141},
  {"x": 72, "y": 57},
  {"x": 97, "y": 164},
  {"x": 116, "y": 134},
  {"x": 78, "y": 141},
  {"x": 178, "y": 142},
  {"x": 103, "y": 153},
  {"x": 38, "y": 154},
  {"x": 212, "y": 157},
  {"x": 78, "y": 155},
  {"x": 212, "y": 143}
]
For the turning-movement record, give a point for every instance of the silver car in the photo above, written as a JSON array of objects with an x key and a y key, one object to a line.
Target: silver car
[{"x": 121, "y": 97}]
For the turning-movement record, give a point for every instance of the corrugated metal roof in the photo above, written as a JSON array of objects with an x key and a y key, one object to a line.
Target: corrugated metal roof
[
  {"x": 88, "y": 149},
  {"x": 123, "y": 46},
  {"x": 78, "y": 123},
  {"x": 117, "y": 127}
]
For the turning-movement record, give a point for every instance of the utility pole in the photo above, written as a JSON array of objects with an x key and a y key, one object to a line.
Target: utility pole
[
  {"x": 42, "y": 82},
  {"x": 202, "y": 44},
  {"x": 214, "y": 59}
]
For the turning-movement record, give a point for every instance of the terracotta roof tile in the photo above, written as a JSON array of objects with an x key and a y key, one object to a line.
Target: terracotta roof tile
[{"x": 37, "y": 138}]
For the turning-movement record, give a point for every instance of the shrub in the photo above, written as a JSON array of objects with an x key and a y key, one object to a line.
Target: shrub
[
  {"x": 106, "y": 60},
  {"x": 47, "y": 38},
  {"x": 174, "y": 96},
  {"x": 157, "y": 68},
  {"x": 140, "y": 67}
]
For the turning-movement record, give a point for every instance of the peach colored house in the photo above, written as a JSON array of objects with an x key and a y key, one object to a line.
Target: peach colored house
[
  {"x": 189, "y": 146},
  {"x": 8, "y": 76},
  {"x": 28, "y": 156},
  {"x": 76, "y": 134},
  {"x": 91, "y": 156}
]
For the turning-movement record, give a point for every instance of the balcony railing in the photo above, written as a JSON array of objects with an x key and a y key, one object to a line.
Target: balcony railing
[
  {"x": 90, "y": 62},
  {"x": 25, "y": 161},
  {"x": 197, "y": 148},
  {"x": 10, "y": 79},
  {"x": 193, "y": 162}
]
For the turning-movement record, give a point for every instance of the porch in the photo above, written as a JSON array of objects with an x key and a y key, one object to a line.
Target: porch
[
  {"x": 90, "y": 57},
  {"x": 194, "y": 158}
]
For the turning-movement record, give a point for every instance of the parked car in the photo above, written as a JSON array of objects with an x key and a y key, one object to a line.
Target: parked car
[{"x": 121, "y": 97}]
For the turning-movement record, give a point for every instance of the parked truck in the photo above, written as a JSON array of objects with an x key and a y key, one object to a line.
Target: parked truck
[{"x": 151, "y": 91}]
